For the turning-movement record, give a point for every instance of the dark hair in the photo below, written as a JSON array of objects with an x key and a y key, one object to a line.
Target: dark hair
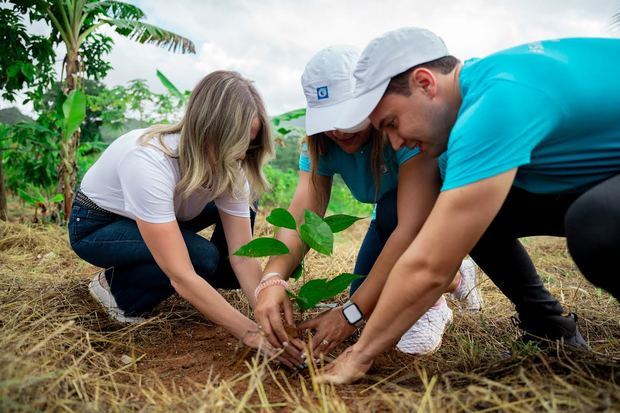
[
  {"x": 399, "y": 84},
  {"x": 316, "y": 145}
]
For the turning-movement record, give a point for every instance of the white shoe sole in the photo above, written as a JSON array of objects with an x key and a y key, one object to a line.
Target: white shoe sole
[{"x": 106, "y": 301}]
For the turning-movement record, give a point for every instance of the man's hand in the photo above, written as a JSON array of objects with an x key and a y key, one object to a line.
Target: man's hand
[
  {"x": 349, "y": 367},
  {"x": 331, "y": 329},
  {"x": 270, "y": 304}
]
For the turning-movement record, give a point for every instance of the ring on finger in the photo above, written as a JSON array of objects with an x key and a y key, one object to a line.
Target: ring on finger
[
  {"x": 325, "y": 342},
  {"x": 285, "y": 344}
]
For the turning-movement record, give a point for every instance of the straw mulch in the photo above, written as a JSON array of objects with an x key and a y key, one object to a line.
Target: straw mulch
[{"x": 58, "y": 352}]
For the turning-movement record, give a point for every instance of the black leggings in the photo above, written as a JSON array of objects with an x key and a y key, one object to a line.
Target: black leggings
[{"x": 590, "y": 221}]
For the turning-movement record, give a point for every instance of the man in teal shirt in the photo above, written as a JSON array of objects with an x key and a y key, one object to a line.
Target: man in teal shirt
[{"x": 529, "y": 140}]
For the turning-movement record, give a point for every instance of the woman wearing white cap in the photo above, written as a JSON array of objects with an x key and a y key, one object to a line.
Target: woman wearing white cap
[{"x": 402, "y": 184}]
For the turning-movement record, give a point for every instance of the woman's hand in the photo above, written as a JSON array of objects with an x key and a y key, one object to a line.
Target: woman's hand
[
  {"x": 349, "y": 367},
  {"x": 256, "y": 339},
  {"x": 271, "y": 303},
  {"x": 331, "y": 330}
]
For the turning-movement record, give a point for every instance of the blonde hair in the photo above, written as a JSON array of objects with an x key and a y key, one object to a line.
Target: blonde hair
[
  {"x": 317, "y": 147},
  {"x": 214, "y": 133}
]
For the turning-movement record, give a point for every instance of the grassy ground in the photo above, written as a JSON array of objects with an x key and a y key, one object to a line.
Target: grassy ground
[{"x": 58, "y": 352}]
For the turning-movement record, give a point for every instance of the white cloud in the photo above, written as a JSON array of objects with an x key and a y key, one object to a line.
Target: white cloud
[{"x": 270, "y": 41}]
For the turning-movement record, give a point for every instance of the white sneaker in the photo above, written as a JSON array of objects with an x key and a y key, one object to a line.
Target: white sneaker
[
  {"x": 467, "y": 293},
  {"x": 100, "y": 291},
  {"x": 424, "y": 337}
]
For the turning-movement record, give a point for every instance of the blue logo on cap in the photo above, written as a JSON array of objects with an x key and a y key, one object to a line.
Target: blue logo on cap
[{"x": 322, "y": 93}]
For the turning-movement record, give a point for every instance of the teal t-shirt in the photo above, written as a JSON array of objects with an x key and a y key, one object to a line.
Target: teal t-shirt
[
  {"x": 550, "y": 109},
  {"x": 355, "y": 168}
]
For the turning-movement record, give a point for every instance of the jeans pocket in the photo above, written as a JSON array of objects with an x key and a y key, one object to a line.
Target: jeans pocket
[{"x": 84, "y": 221}]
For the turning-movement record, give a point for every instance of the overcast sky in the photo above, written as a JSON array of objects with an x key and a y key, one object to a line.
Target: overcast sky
[{"x": 269, "y": 41}]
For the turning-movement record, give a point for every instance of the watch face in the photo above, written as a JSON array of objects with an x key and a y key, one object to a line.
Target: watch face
[{"x": 352, "y": 314}]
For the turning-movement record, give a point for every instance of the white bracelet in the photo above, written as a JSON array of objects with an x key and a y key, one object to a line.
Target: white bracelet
[{"x": 270, "y": 275}]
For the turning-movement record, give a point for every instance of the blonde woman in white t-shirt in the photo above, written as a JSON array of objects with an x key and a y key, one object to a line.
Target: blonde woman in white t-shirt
[{"x": 140, "y": 205}]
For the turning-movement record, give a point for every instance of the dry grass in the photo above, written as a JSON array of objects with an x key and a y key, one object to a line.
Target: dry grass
[{"x": 58, "y": 353}]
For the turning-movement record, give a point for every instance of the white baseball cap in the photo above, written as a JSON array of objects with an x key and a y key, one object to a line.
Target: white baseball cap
[
  {"x": 385, "y": 57},
  {"x": 328, "y": 83}
]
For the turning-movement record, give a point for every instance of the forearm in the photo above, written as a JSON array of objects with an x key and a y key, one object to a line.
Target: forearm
[
  {"x": 368, "y": 293},
  {"x": 212, "y": 305},
  {"x": 248, "y": 273},
  {"x": 286, "y": 264},
  {"x": 411, "y": 289}
]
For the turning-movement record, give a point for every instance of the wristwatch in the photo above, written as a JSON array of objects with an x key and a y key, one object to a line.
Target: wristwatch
[{"x": 353, "y": 314}]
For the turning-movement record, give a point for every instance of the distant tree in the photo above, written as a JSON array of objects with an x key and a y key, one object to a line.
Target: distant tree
[{"x": 75, "y": 23}]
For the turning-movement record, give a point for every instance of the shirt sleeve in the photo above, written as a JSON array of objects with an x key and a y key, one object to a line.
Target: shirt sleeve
[
  {"x": 404, "y": 154},
  {"x": 148, "y": 187},
  {"x": 235, "y": 204},
  {"x": 305, "y": 164},
  {"x": 497, "y": 132}
]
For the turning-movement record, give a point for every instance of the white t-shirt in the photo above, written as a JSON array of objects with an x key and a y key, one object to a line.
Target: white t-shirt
[{"x": 138, "y": 181}]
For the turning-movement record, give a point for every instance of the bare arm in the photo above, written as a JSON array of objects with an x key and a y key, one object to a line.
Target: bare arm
[
  {"x": 170, "y": 252},
  {"x": 306, "y": 197},
  {"x": 457, "y": 221},
  {"x": 238, "y": 231},
  {"x": 418, "y": 186},
  {"x": 273, "y": 301}
]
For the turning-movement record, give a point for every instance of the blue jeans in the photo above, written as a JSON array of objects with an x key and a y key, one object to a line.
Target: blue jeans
[
  {"x": 113, "y": 242},
  {"x": 377, "y": 235}
]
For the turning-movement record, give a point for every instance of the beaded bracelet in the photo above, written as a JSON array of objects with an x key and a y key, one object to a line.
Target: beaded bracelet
[
  {"x": 270, "y": 275},
  {"x": 269, "y": 283}
]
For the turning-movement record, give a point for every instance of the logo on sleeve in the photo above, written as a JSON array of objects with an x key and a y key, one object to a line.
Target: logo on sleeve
[{"x": 322, "y": 93}]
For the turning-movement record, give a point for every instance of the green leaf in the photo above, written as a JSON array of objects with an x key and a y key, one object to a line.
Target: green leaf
[
  {"x": 280, "y": 217},
  {"x": 297, "y": 273},
  {"x": 14, "y": 69},
  {"x": 57, "y": 198},
  {"x": 74, "y": 111},
  {"x": 301, "y": 302},
  {"x": 317, "y": 290},
  {"x": 316, "y": 233},
  {"x": 26, "y": 197},
  {"x": 28, "y": 71},
  {"x": 340, "y": 222},
  {"x": 340, "y": 283},
  {"x": 170, "y": 86},
  {"x": 293, "y": 114},
  {"x": 142, "y": 32},
  {"x": 283, "y": 131},
  {"x": 262, "y": 247},
  {"x": 311, "y": 293}
]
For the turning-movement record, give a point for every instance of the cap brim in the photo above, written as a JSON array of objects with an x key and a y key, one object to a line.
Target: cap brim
[
  {"x": 356, "y": 110},
  {"x": 322, "y": 119},
  {"x": 356, "y": 128}
]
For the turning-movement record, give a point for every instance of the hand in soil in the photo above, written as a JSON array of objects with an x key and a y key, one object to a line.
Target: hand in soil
[
  {"x": 349, "y": 367},
  {"x": 255, "y": 339},
  {"x": 331, "y": 329},
  {"x": 270, "y": 304}
]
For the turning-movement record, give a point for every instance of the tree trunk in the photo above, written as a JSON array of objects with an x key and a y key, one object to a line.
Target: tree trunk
[
  {"x": 67, "y": 170},
  {"x": 3, "y": 208}
]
